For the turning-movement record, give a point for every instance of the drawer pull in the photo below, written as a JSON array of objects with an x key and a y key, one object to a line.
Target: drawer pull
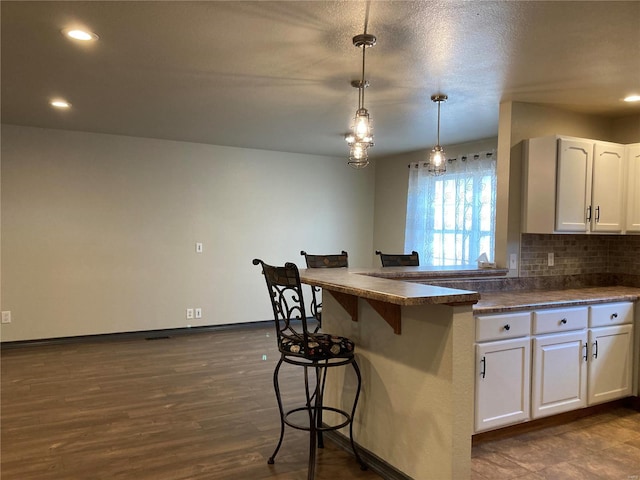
[
  {"x": 586, "y": 351},
  {"x": 483, "y": 362},
  {"x": 507, "y": 327},
  {"x": 595, "y": 349},
  {"x": 614, "y": 315},
  {"x": 563, "y": 321}
]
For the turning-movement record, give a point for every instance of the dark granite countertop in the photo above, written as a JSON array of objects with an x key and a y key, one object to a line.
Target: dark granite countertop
[
  {"x": 506, "y": 301},
  {"x": 359, "y": 283},
  {"x": 418, "y": 274}
]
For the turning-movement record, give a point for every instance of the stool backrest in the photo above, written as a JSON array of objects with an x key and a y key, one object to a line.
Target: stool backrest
[
  {"x": 285, "y": 292},
  {"x": 336, "y": 260},
  {"x": 399, "y": 259}
]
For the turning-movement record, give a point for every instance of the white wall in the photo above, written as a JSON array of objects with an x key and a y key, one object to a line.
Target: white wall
[{"x": 99, "y": 231}]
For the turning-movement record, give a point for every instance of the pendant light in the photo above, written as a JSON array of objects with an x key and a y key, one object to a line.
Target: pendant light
[
  {"x": 360, "y": 138},
  {"x": 437, "y": 163}
]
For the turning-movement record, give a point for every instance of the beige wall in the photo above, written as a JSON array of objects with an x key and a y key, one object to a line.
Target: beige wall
[
  {"x": 626, "y": 129},
  {"x": 99, "y": 231}
]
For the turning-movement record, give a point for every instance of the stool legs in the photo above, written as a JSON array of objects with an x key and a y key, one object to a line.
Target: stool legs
[
  {"x": 313, "y": 419},
  {"x": 276, "y": 386},
  {"x": 314, "y": 395},
  {"x": 363, "y": 466},
  {"x": 321, "y": 403}
]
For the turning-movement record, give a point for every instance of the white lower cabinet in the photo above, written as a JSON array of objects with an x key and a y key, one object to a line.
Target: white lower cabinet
[
  {"x": 611, "y": 352},
  {"x": 534, "y": 364},
  {"x": 559, "y": 381},
  {"x": 559, "y": 368},
  {"x": 502, "y": 385},
  {"x": 503, "y": 381}
]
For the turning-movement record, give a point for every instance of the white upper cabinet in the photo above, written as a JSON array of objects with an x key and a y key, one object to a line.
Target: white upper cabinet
[
  {"x": 574, "y": 185},
  {"x": 608, "y": 187},
  {"x": 633, "y": 188}
]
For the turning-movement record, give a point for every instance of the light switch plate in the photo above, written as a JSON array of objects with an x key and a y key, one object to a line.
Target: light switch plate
[
  {"x": 6, "y": 316},
  {"x": 513, "y": 261}
]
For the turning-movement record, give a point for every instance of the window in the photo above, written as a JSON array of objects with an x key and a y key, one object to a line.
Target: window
[{"x": 451, "y": 218}]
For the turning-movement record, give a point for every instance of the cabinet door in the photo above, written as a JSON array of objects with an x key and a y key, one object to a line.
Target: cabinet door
[
  {"x": 610, "y": 363},
  {"x": 559, "y": 373},
  {"x": 608, "y": 187},
  {"x": 633, "y": 188},
  {"x": 502, "y": 383},
  {"x": 573, "y": 190}
]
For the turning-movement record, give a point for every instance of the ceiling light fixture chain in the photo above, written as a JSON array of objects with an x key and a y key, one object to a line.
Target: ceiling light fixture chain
[
  {"x": 437, "y": 164},
  {"x": 361, "y": 138}
]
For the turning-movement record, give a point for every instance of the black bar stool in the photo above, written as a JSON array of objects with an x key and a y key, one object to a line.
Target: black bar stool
[
  {"x": 316, "y": 351},
  {"x": 335, "y": 260},
  {"x": 399, "y": 259}
]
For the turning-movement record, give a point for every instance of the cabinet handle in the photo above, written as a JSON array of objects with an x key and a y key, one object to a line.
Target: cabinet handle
[
  {"x": 507, "y": 327},
  {"x": 589, "y": 213},
  {"x": 563, "y": 321},
  {"x": 614, "y": 315},
  {"x": 598, "y": 214},
  {"x": 595, "y": 349},
  {"x": 483, "y": 371},
  {"x": 586, "y": 351}
]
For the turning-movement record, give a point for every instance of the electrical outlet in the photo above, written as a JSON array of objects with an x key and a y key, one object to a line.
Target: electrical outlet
[
  {"x": 198, "y": 312},
  {"x": 189, "y": 313},
  {"x": 513, "y": 261},
  {"x": 550, "y": 259},
  {"x": 198, "y": 247},
  {"x": 6, "y": 316}
]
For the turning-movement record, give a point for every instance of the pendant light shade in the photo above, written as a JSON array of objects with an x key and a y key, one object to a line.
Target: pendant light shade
[
  {"x": 437, "y": 163},
  {"x": 358, "y": 155},
  {"x": 361, "y": 137}
]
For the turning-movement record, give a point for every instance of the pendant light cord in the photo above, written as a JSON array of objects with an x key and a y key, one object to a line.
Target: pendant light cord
[
  {"x": 439, "y": 102},
  {"x": 364, "y": 48},
  {"x": 362, "y": 85}
]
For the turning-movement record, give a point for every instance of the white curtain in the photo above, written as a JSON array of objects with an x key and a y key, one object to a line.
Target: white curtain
[{"x": 451, "y": 217}]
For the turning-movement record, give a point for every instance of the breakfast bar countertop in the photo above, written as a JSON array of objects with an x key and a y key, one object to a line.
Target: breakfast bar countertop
[
  {"x": 361, "y": 283},
  {"x": 507, "y": 301}
]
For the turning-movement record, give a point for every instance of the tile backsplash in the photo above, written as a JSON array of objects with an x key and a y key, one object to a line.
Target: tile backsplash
[
  {"x": 579, "y": 261},
  {"x": 579, "y": 254}
]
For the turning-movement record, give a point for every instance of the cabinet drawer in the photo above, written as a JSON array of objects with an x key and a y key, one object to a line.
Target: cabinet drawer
[
  {"x": 560, "y": 319},
  {"x": 610, "y": 314},
  {"x": 502, "y": 326}
]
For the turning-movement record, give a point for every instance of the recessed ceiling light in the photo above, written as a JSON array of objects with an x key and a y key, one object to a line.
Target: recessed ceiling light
[
  {"x": 632, "y": 98},
  {"x": 82, "y": 35},
  {"x": 59, "y": 103}
]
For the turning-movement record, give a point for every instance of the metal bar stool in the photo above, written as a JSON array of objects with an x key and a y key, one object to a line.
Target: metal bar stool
[
  {"x": 399, "y": 259},
  {"x": 336, "y": 260},
  {"x": 316, "y": 351}
]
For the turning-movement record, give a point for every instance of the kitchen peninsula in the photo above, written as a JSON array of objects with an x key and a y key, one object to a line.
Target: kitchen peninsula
[{"x": 415, "y": 349}]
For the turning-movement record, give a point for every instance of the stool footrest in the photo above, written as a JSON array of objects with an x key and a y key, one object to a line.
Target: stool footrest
[{"x": 325, "y": 428}]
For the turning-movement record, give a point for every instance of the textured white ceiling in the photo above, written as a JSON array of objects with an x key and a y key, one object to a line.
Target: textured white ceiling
[{"x": 276, "y": 75}]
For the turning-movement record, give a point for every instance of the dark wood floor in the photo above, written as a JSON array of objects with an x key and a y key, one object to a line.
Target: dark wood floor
[
  {"x": 197, "y": 406},
  {"x": 201, "y": 406}
]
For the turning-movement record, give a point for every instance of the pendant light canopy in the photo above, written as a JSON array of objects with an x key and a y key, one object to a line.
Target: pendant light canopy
[
  {"x": 437, "y": 163},
  {"x": 360, "y": 138}
]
